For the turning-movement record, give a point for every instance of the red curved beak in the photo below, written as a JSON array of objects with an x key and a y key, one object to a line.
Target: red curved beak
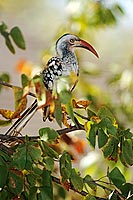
[{"x": 86, "y": 45}]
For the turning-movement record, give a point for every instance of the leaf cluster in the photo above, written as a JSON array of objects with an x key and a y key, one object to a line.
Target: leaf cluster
[
  {"x": 14, "y": 35},
  {"x": 111, "y": 139},
  {"x": 28, "y": 173}
]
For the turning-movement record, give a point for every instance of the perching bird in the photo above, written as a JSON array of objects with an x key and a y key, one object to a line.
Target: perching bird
[{"x": 63, "y": 64}]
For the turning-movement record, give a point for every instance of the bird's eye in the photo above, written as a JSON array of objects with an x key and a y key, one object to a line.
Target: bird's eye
[{"x": 71, "y": 41}]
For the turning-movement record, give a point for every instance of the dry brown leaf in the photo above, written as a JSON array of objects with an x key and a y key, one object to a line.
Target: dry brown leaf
[
  {"x": 9, "y": 114},
  {"x": 82, "y": 104},
  {"x": 21, "y": 107},
  {"x": 64, "y": 120},
  {"x": 96, "y": 119}
]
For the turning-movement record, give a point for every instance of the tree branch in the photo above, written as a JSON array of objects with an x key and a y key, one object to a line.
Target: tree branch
[
  {"x": 83, "y": 193},
  {"x": 6, "y": 149},
  {"x": 10, "y": 138},
  {"x": 12, "y": 86}
]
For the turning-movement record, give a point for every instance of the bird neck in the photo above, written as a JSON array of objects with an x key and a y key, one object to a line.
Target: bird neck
[
  {"x": 69, "y": 57},
  {"x": 71, "y": 63}
]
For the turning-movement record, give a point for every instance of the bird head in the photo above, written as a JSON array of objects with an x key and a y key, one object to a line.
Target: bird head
[{"x": 68, "y": 42}]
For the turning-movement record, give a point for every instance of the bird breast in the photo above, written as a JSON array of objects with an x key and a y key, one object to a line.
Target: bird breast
[{"x": 57, "y": 67}]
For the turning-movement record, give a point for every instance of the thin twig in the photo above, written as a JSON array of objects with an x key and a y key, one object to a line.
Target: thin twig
[
  {"x": 73, "y": 128},
  {"x": 12, "y": 86}
]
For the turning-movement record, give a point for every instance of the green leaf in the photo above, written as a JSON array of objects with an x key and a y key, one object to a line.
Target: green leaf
[
  {"x": 108, "y": 127},
  {"x": 127, "y": 189},
  {"x": 115, "y": 153},
  {"x": 46, "y": 191},
  {"x": 48, "y": 134},
  {"x": 25, "y": 80},
  {"x": 49, "y": 163},
  {"x": 127, "y": 151},
  {"x": 65, "y": 166},
  {"x": 104, "y": 112},
  {"x": 58, "y": 112},
  {"x": 102, "y": 138},
  {"x": 33, "y": 193},
  {"x": 90, "y": 182},
  {"x": 48, "y": 150},
  {"x": 117, "y": 177},
  {"x": 126, "y": 133},
  {"x": 17, "y": 37},
  {"x": 29, "y": 162},
  {"x": 90, "y": 197},
  {"x": 3, "y": 172},
  {"x": 18, "y": 93},
  {"x": 25, "y": 155},
  {"x": 5, "y": 77},
  {"x": 90, "y": 113},
  {"x": 110, "y": 147},
  {"x": 61, "y": 191},
  {"x": 92, "y": 135},
  {"x": 76, "y": 180},
  {"x": 31, "y": 179},
  {"x": 65, "y": 96},
  {"x": 5, "y": 122},
  {"x": 37, "y": 171},
  {"x": 5, "y": 156},
  {"x": 4, "y": 195},
  {"x": 70, "y": 112},
  {"x": 35, "y": 153},
  {"x": 3, "y": 27},
  {"x": 19, "y": 158},
  {"x": 122, "y": 159},
  {"x": 8, "y": 42},
  {"x": 16, "y": 182},
  {"x": 115, "y": 197}
]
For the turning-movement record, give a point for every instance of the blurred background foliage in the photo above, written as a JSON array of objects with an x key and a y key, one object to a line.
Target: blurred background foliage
[{"x": 107, "y": 80}]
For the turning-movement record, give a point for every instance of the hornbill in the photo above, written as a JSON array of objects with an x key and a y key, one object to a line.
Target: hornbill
[{"x": 64, "y": 64}]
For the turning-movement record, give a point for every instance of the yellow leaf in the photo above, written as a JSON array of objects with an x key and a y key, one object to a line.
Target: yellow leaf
[
  {"x": 64, "y": 120},
  {"x": 5, "y": 122},
  {"x": 87, "y": 125},
  {"x": 18, "y": 93},
  {"x": 39, "y": 90},
  {"x": 21, "y": 107},
  {"x": 7, "y": 114}
]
